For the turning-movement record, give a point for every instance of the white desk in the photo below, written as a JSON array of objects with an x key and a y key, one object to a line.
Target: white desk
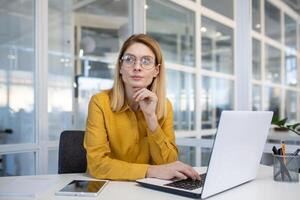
[{"x": 262, "y": 188}]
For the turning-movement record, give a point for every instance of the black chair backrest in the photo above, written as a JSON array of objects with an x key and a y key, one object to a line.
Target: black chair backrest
[{"x": 71, "y": 155}]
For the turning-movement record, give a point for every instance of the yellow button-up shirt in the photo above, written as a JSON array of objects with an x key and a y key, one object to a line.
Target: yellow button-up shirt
[{"x": 120, "y": 146}]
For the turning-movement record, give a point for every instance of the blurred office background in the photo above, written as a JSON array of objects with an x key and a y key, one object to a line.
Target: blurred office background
[{"x": 55, "y": 54}]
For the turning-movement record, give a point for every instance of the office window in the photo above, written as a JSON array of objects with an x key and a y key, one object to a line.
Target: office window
[
  {"x": 217, "y": 94},
  {"x": 60, "y": 67},
  {"x": 273, "y": 64},
  {"x": 52, "y": 161},
  {"x": 174, "y": 28},
  {"x": 291, "y": 72},
  {"x": 272, "y": 100},
  {"x": 187, "y": 155},
  {"x": 299, "y": 38},
  {"x": 291, "y": 105},
  {"x": 94, "y": 31},
  {"x": 281, "y": 74},
  {"x": 181, "y": 92},
  {"x": 101, "y": 28},
  {"x": 17, "y": 72},
  {"x": 256, "y": 97},
  {"x": 217, "y": 46},
  {"x": 256, "y": 19},
  {"x": 84, "y": 41},
  {"x": 224, "y": 7},
  {"x": 290, "y": 32},
  {"x": 272, "y": 21},
  {"x": 256, "y": 59},
  {"x": 17, "y": 164},
  {"x": 205, "y": 155}
]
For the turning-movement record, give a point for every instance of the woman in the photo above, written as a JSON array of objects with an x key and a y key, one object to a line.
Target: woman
[{"x": 129, "y": 133}]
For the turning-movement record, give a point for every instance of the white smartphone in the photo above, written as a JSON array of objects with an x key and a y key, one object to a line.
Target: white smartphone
[{"x": 85, "y": 188}]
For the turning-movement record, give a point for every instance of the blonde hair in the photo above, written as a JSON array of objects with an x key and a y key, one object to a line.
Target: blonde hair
[{"x": 117, "y": 93}]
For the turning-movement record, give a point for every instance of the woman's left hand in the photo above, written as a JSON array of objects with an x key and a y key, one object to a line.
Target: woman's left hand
[{"x": 147, "y": 101}]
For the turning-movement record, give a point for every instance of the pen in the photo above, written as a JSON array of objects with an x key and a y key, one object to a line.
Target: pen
[
  {"x": 290, "y": 159},
  {"x": 283, "y": 152},
  {"x": 274, "y": 149},
  {"x": 283, "y": 169},
  {"x": 277, "y": 152}
]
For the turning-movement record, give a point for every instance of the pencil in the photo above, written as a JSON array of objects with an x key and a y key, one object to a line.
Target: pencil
[{"x": 283, "y": 151}]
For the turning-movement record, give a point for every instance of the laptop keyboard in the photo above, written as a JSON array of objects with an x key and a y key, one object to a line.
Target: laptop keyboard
[{"x": 188, "y": 184}]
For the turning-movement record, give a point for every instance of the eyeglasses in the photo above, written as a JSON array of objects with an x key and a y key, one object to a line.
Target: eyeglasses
[{"x": 147, "y": 62}]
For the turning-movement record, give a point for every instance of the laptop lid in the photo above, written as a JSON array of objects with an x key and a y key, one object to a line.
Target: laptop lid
[
  {"x": 237, "y": 150},
  {"x": 235, "y": 157}
]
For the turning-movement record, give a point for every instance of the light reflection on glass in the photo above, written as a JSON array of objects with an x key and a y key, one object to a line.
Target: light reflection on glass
[
  {"x": 291, "y": 69},
  {"x": 256, "y": 97},
  {"x": 256, "y": 23}
]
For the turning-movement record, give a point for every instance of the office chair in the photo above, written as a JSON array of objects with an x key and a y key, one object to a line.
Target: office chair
[{"x": 71, "y": 155}]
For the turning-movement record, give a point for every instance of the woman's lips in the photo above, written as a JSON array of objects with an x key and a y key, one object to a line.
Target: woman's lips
[{"x": 136, "y": 77}]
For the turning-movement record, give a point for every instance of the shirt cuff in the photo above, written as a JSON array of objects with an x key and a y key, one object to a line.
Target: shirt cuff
[
  {"x": 158, "y": 135},
  {"x": 139, "y": 171}
]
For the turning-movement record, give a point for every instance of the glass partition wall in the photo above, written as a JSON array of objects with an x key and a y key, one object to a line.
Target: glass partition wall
[
  {"x": 275, "y": 69},
  {"x": 17, "y": 87},
  {"x": 84, "y": 41},
  {"x": 48, "y": 73}
]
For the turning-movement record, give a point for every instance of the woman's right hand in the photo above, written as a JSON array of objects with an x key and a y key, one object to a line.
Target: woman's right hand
[{"x": 176, "y": 170}]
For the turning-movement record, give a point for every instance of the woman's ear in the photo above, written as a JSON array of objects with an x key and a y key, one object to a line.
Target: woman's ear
[
  {"x": 120, "y": 67},
  {"x": 156, "y": 70}
]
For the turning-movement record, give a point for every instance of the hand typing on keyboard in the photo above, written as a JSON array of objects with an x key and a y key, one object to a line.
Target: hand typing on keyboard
[
  {"x": 176, "y": 169},
  {"x": 188, "y": 184}
]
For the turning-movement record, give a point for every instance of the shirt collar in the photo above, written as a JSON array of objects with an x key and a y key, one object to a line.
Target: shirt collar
[{"x": 125, "y": 107}]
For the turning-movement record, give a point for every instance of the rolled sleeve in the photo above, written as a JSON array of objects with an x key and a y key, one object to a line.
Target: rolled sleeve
[{"x": 162, "y": 141}]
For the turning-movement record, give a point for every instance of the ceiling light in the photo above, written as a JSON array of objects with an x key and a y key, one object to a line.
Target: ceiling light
[{"x": 203, "y": 29}]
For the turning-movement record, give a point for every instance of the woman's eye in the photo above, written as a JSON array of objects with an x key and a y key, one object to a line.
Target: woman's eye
[
  {"x": 129, "y": 59},
  {"x": 147, "y": 61}
]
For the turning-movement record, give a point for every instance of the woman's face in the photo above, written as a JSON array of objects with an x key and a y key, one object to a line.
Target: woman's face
[{"x": 138, "y": 66}]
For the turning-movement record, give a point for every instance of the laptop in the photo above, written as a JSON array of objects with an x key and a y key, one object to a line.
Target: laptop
[{"x": 234, "y": 160}]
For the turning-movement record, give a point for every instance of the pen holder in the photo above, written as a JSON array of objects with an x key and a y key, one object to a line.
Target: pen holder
[{"x": 286, "y": 168}]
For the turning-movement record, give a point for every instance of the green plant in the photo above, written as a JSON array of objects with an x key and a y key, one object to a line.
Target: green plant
[{"x": 282, "y": 124}]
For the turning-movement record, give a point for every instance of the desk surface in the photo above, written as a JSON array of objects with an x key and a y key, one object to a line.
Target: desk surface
[{"x": 262, "y": 188}]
